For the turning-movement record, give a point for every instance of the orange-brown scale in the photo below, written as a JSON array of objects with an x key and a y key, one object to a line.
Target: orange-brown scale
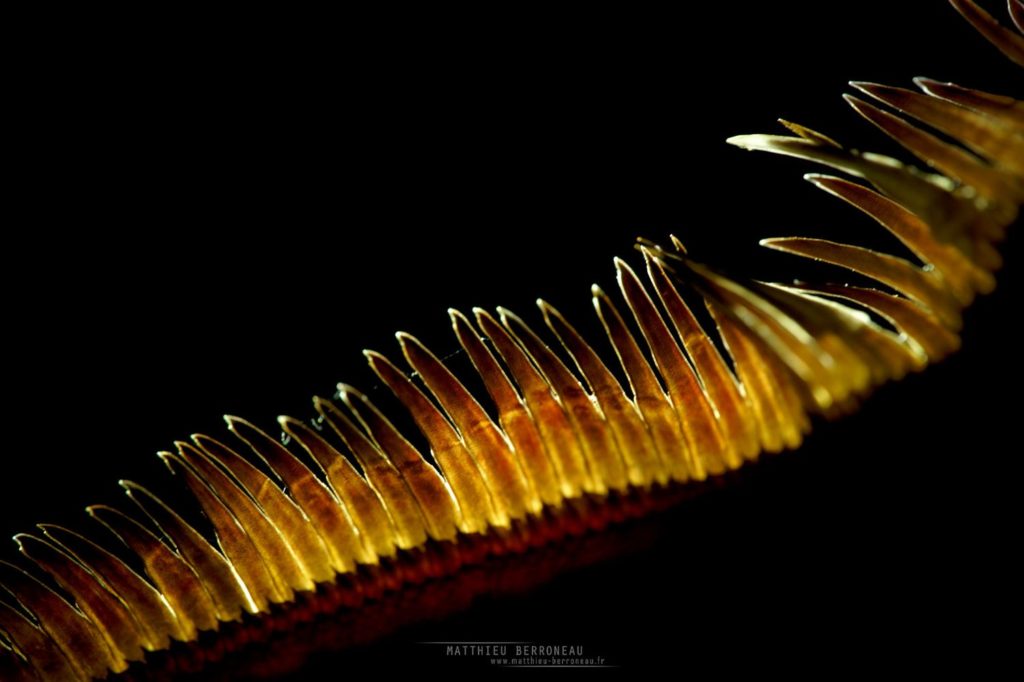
[{"x": 423, "y": 583}]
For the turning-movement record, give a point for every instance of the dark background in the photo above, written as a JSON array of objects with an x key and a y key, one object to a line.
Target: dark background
[{"x": 220, "y": 221}]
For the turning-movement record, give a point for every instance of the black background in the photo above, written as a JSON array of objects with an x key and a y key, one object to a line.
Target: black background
[{"x": 219, "y": 221}]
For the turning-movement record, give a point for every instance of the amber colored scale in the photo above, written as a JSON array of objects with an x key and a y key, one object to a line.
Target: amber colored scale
[{"x": 350, "y": 511}]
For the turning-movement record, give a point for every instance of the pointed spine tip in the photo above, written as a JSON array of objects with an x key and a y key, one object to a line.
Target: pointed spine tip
[
  {"x": 861, "y": 86},
  {"x": 405, "y": 340},
  {"x": 678, "y": 243},
  {"x": 345, "y": 390},
  {"x": 480, "y": 315},
  {"x": 548, "y": 312},
  {"x": 458, "y": 319}
]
